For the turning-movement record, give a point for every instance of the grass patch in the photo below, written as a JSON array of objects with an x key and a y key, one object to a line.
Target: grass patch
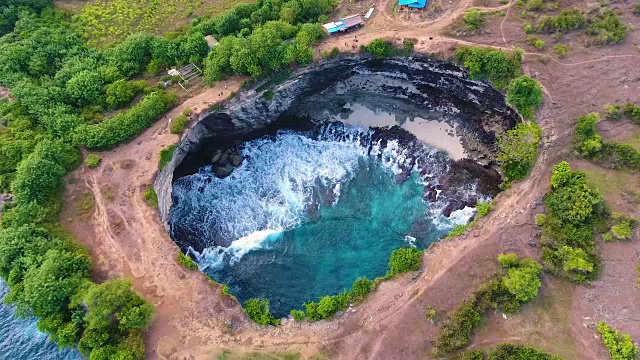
[
  {"x": 165, "y": 156},
  {"x": 149, "y": 195},
  {"x": 92, "y": 160},
  {"x": 106, "y": 22},
  {"x": 186, "y": 261}
]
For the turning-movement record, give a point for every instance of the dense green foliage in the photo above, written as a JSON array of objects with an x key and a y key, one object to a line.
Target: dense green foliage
[
  {"x": 520, "y": 284},
  {"x": 92, "y": 160},
  {"x": 258, "y": 311},
  {"x": 491, "y": 64},
  {"x": 178, "y": 124},
  {"x": 517, "y": 149},
  {"x": 507, "y": 351},
  {"x": 607, "y": 28},
  {"x": 536, "y": 42},
  {"x": 261, "y": 38},
  {"x": 574, "y": 212},
  {"x": 525, "y": 94},
  {"x": 405, "y": 259},
  {"x": 620, "y": 346},
  {"x": 621, "y": 228},
  {"x": 473, "y": 19},
  {"x": 564, "y": 22},
  {"x": 361, "y": 287},
  {"x": 186, "y": 261},
  {"x": 11, "y": 10}
]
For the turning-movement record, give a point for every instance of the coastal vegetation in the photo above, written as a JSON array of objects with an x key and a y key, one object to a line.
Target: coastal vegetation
[
  {"x": 575, "y": 214},
  {"x": 186, "y": 261},
  {"x": 486, "y": 63},
  {"x": 519, "y": 283}
]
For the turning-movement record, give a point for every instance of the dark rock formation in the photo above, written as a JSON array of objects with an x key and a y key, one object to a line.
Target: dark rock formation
[{"x": 403, "y": 86}]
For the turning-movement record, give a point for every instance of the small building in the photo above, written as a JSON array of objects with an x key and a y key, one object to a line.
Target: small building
[
  {"x": 344, "y": 25},
  {"x": 412, "y": 4}
]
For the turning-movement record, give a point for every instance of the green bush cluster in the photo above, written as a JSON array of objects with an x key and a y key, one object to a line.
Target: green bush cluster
[
  {"x": 560, "y": 50},
  {"x": 178, "y": 124},
  {"x": 590, "y": 145},
  {"x": 186, "y": 261},
  {"x": 507, "y": 351},
  {"x": 518, "y": 285},
  {"x": 258, "y": 310},
  {"x": 565, "y": 21},
  {"x": 92, "y": 160},
  {"x": 48, "y": 275},
  {"x": 620, "y": 346},
  {"x": 525, "y": 94},
  {"x": 621, "y": 228},
  {"x": 574, "y": 213},
  {"x": 125, "y": 125},
  {"x": 383, "y": 49},
  {"x": 517, "y": 149},
  {"x": 473, "y": 19},
  {"x": 607, "y": 28},
  {"x": 536, "y": 42},
  {"x": 260, "y": 38},
  {"x": 491, "y": 64}
]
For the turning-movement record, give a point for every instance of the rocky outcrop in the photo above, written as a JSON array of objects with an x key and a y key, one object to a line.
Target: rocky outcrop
[{"x": 405, "y": 86}]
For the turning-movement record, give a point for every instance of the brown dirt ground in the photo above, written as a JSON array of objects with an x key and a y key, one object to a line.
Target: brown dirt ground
[{"x": 104, "y": 210}]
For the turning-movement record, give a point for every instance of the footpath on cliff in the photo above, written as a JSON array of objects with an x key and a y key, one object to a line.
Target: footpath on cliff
[{"x": 194, "y": 321}]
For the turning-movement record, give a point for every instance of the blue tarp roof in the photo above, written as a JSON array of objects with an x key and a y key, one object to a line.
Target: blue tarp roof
[{"x": 413, "y": 3}]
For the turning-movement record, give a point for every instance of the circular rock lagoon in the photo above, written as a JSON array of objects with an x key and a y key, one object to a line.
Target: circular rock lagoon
[{"x": 295, "y": 195}]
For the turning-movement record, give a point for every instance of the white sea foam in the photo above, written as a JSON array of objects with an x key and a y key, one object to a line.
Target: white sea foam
[{"x": 273, "y": 190}]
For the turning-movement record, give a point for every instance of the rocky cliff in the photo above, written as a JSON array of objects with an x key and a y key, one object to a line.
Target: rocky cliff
[{"x": 405, "y": 86}]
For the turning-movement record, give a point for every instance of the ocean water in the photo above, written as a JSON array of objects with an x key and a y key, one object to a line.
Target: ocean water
[
  {"x": 21, "y": 340},
  {"x": 306, "y": 215}
]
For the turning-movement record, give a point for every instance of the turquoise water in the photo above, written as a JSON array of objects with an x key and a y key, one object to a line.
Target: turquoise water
[
  {"x": 20, "y": 339},
  {"x": 305, "y": 215}
]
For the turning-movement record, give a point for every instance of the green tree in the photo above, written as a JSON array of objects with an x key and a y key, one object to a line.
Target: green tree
[
  {"x": 85, "y": 87},
  {"x": 361, "y": 287},
  {"x": 620, "y": 346},
  {"x": 473, "y": 19},
  {"x": 517, "y": 149},
  {"x": 561, "y": 175},
  {"x": 120, "y": 93},
  {"x": 523, "y": 281},
  {"x": 258, "y": 311},
  {"x": 525, "y": 94},
  {"x": 36, "y": 179}
]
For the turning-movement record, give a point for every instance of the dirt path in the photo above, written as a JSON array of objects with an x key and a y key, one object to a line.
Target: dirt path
[{"x": 193, "y": 321}]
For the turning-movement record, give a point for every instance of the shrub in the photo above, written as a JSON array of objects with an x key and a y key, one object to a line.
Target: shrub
[
  {"x": 508, "y": 260},
  {"x": 258, "y": 310},
  {"x": 178, "y": 124},
  {"x": 473, "y": 19},
  {"x": 186, "y": 261},
  {"x": 224, "y": 290},
  {"x": 298, "y": 315},
  {"x": 589, "y": 141},
  {"x": 431, "y": 314},
  {"x": 361, "y": 287},
  {"x": 483, "y": 208},
  {"x": 636, "y": 9},
  {"x": 268, "y": 95},
  {"x": 534, "y": 5},
  {"x": 620, "y": 346},
  {"x": 527, "y": 28},
  {"x": 560, "y": 50},
  {"x": 565, "y": 21},
  {"x": 607, "y": 28},
  {"x": 523, "y": 281},
  {"x": 120, "y": 93},
  {"x": 380, "y": 48},
  {"x": 149, "y": 195},
  {"x": 540, "y": 219},
  {"x": 613, "y": 111},
  {"x": 519, "y": 352},
  {"x": 622, "y": 228},
  {"x": 405, "y": 259},
  {"x": 165, "y": 156},
  {"x": 517, "y": 149},
  {"x": 494, "y": 65},
  {"x": 525, "y": 94},
  {"x": 92, "y": 160},
  {"x": 536, "y": 42}
]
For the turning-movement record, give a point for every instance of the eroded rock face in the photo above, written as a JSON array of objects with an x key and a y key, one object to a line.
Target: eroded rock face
[{"x": 407, "y": 87}]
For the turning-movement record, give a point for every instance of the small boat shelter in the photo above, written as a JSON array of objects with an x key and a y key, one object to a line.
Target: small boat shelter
[
  {"x": 344, "y": 25},
  {"x": 412, "y": 4}
]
